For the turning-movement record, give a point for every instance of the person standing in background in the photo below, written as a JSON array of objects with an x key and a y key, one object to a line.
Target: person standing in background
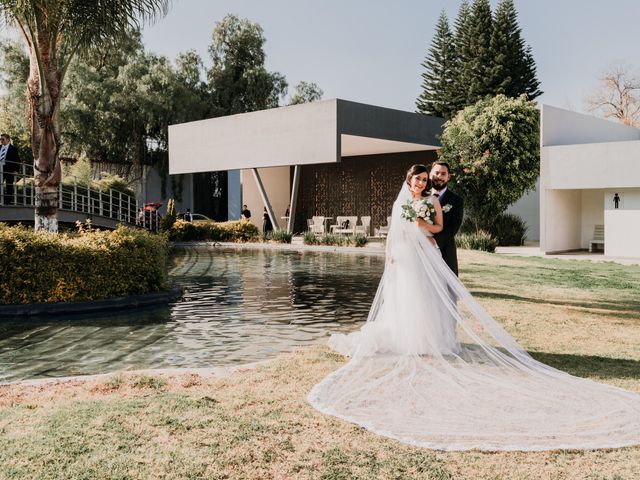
[
  {"x": 10, "y": 164},
  {"x": 267, "y": 226}
]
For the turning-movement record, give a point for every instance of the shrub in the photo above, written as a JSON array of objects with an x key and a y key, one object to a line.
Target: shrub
[
  {"x": 493, "y": 148},
  {"x": 310, "y": 238},
  {"x": 359, "y": 240},
  {"x": 279, "y": 236},
  {"x": 480, "y": 240},
  {"x": 506, "y": 228},
  {"x": 509, "y": 229},
  {"x": 333, "y": 239},
  {"x": 43, "y": 267},
  {"x": 234, "y": 231}
]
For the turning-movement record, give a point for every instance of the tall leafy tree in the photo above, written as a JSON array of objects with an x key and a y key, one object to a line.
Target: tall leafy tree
[
  {"x": 437, "y": 79},
  {"x": 306, "y": 92},
  {"x": 493, "y": 149},
  {"x": 238, "y": 78},
  {"x": 54, "y": 32},
  {"x": 513, "y": 68},
  {"x": 14, "y": 71}
]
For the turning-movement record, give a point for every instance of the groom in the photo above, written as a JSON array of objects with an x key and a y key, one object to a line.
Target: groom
[{"x": 452, "y": 212}]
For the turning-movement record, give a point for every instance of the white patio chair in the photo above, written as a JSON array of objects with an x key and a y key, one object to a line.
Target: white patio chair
[
  {"x": 317, "y": 225},
  {"x": 365, "y": 228},
  {"x": 383, "y": 230},
  {"x": 345, "y": 225}
]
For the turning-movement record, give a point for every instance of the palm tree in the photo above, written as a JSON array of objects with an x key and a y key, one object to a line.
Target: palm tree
[{"x": 55, "y": 31}]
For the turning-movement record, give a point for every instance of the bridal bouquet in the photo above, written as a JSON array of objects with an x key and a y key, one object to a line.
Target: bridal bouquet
[{"x": 421, "y": 208}]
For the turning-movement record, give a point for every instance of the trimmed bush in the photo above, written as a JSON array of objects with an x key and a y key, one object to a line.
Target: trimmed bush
[
  {"x": 479, "y": 240},
  {"x": 509, "y": 230},
  {"x": 506, "y": 228},
  {"x": 357, "y": 240},
  {"x": 234, "y": 231},
  {"x": 40, "y": 267},
  {"x": 310, "y": 238},
  {"x": 278, "y": 236},
  {"x": 333, "y": 239}
]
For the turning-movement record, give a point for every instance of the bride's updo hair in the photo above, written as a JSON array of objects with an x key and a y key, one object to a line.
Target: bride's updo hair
[{"x": 417, "y": 170}]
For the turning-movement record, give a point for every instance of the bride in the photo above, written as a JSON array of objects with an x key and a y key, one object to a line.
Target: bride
[{"x": 431, "y": 368}]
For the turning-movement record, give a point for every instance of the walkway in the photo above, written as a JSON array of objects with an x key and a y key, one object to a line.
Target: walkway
[
  {"x": 376, "y": 247},
  {"x": 531, "y": 249},
  {"x": 106, "y": 209}
]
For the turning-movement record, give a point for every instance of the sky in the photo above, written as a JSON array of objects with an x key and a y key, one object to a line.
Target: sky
[{"x": 371, "y": 51}]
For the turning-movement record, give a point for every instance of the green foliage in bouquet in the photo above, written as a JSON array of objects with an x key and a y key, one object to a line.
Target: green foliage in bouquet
[{"x": 89, "y": 265}]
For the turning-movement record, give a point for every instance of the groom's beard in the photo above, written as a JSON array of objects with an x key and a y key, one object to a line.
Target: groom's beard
[{"x": 438, "y": 184}]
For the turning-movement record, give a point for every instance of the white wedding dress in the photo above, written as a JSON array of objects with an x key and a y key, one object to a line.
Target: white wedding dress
[{"x": 431, "y": 368}]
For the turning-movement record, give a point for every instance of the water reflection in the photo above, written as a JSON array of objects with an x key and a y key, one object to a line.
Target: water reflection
[{"x": 238, "y": 307}]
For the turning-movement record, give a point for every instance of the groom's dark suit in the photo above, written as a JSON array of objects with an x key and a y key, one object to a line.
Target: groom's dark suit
[{"x": 452, "y": 213}]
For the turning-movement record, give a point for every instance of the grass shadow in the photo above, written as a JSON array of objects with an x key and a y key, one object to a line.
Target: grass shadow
[
  {"x": 591, "y": 365},
  {"x": 622, "y": 309}
]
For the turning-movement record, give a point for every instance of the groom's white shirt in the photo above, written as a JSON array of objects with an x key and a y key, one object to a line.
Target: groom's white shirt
[{"x": 439, "y": 192}]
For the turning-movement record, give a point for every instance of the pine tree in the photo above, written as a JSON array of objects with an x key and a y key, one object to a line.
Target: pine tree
[
  {"x": 513, "y": 72},
  {"x": 436, "y": 97},
  {"x": 479, "y": 57},
  {"x": 460, "y": 80},
  {"x": 485, "y": 55},
  {"x": 529, "y": 83}
]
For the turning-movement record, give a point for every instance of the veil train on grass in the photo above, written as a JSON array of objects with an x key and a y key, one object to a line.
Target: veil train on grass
[{"x": 432, "y": 368}]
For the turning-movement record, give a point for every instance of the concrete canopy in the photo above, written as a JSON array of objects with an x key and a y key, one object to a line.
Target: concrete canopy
[{"x": 319, "y": 132}]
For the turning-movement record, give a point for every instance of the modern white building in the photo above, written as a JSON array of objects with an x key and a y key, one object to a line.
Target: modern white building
[
  {"x": 328, "y": 158},
  {"x": 589, "y": 176}
]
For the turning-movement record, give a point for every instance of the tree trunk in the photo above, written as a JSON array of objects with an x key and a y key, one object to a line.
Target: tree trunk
[{"x": 43, "y": 89}]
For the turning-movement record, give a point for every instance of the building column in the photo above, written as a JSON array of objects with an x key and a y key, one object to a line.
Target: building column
[
  {"x": 265, "y": 199},
  {"x": 294, "y": 196}
]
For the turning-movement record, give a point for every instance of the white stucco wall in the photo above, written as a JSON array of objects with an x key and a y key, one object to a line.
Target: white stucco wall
[
  {"x": 276, "y": 181},
  {"x": 629, "y": 199},
  {"x": 564, "y": 127},
  {"x": 560, "y": 228},
  {"x": 584, "y": 160},
  {"x": 622, "y": 233},
  {"x": 293, "y": 135},
  {"x": 595, "y": 165},
  {"x": 592, "y": 214}
]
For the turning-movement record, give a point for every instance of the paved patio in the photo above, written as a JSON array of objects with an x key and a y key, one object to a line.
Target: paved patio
[{"x": 532, "y": 249}]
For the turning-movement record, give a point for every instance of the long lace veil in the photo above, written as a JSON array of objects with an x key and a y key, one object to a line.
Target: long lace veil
[{"x": 431, "y": 368}]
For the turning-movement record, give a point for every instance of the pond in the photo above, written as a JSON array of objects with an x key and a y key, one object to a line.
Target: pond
[{"x": 239, "y": 306}]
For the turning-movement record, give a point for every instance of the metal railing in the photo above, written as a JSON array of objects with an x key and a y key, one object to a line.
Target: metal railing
[{"x": 17, "y": 190}]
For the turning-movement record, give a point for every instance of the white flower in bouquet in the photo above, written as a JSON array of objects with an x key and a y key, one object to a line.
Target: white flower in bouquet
[{"x": 420, "y": 208}]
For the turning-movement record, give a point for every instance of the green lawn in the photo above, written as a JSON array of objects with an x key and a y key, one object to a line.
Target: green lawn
[{"x": 577, "y": 316}]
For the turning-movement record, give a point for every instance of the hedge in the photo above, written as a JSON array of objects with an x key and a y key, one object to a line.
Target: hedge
[
  {"x": 40, "y": 267},
  {"x": 234, "y": 231}
]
